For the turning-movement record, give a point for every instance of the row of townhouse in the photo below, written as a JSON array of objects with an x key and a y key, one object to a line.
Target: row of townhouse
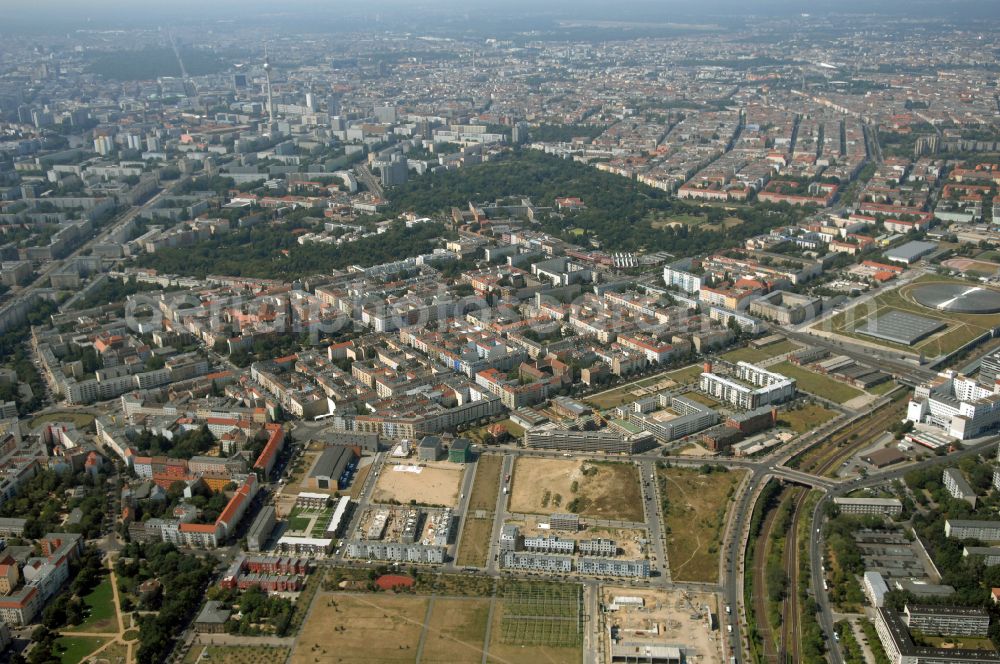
[{"x": 562, "y": 564}]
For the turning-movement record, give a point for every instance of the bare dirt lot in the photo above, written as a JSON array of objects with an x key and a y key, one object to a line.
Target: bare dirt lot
[
  {"x": 602, "y": 490},
  {"x": 670, "y": 618},
  {"x": 435, "y": 484},
  {"x": 628, "y": 539},
  {"x": 376, "y": 628}
]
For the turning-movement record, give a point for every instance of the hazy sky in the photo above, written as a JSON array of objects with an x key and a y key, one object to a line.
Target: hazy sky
[{"x": 64, "y": 14}]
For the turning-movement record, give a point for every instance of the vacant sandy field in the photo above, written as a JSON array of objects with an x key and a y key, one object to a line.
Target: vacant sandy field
[
  {"x": 596, "y": 489},
  {"x": 456, "y": 631},
  {"x": 435, "y": 484},
  {"x": 372, "y": 628}
]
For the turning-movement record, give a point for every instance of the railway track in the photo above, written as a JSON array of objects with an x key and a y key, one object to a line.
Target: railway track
[
  {"x": 791, "y": 637},
  {"x": 791, "y": 642},
  {"x": 857, "y": 434},
  {"x": 786, "y": 644},
  {"x": 767, "y": 636}
]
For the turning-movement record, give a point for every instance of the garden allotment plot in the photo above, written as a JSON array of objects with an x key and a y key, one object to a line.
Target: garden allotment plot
[{"x": 542, "y": 614}]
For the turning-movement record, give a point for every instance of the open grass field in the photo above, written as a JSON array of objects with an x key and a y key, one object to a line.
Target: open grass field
[
  {"x": 818, "y": 384},
  {"x": 701, "y": 397},
  {"x": 805, "y": 418},
  {"x": 236, "y": 655},
  {"x": 456, "y": 631},
  {"x": 486, "y": 484},
  {"x": 114, "y": 653},
  {"x": 100, "y": 610},
  {"x": 372, "y": 628},
  {"x": 686, "y": 375},
  {"x": 80, "y": 420},
  {"x": 474, "y": 547},
  {"x": 882, "y": 388},
  {"x": 611, "y": 398},
  {"x": 667, "y": 221},
  {"x": 298, "y": 523},
  {"x": 75, "y": 649},
  {"x": 727, "y": 223},
  {"x": 601, "y": 490},
  {"x": 631, "y": 391},
  {"x": 754, "y": 355},
  {"x": 695, "y": 517},
  {"x": 962, "y": 328},
  {"x": 435, "y": 484}
]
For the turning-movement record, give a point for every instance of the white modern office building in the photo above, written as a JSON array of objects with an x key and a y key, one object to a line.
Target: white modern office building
[{"x": 959, "y": 405}]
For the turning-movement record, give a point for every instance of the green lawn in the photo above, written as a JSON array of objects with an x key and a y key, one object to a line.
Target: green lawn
[
  {"x": 626, "y": 393},
  {"x": 753, "y": 355},
  {"x": 298, "y": 523},
  {"x": 817, "y": 384},
  {"x": 686, "y": 219},
  {"x": 611, "y": 398},
  {"x": 805, "y": 418},
  {"x": 77, "y": 648},
  {"x": 101, "y": 610},
  {"x": 687, "y": 375},
  {"x": 882, "y": 388},
  {"x": 515, "y": 430},
  {"x": 701, "y": 398},
  {"x": 80, "y": 420}
]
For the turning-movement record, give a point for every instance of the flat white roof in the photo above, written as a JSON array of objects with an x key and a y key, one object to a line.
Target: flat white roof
[
  {"x": 867, "y": 501},
  {"x": 304, "y": 541},
  {"x": 338, "y": 514}
]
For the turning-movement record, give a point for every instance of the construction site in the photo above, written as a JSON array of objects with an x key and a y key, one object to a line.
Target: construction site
[
  {"x": 631, "y": 542},
  {"x": 666, "y": 625},
  {"x": 406, "y": 525}
]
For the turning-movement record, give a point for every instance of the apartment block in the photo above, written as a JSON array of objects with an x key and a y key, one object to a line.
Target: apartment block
[
  {"x": 891, "y": 507},
  {"x": 614, "y": 567},
  {"x": 958, "y": 487},
  {"x": 536, "y": 562}
]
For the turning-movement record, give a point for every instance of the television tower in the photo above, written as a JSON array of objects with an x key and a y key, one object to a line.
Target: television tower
[{"x": 267, "y": 75}]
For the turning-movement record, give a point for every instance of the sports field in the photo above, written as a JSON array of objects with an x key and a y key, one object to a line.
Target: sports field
[{"x": 961, "y": 328}]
